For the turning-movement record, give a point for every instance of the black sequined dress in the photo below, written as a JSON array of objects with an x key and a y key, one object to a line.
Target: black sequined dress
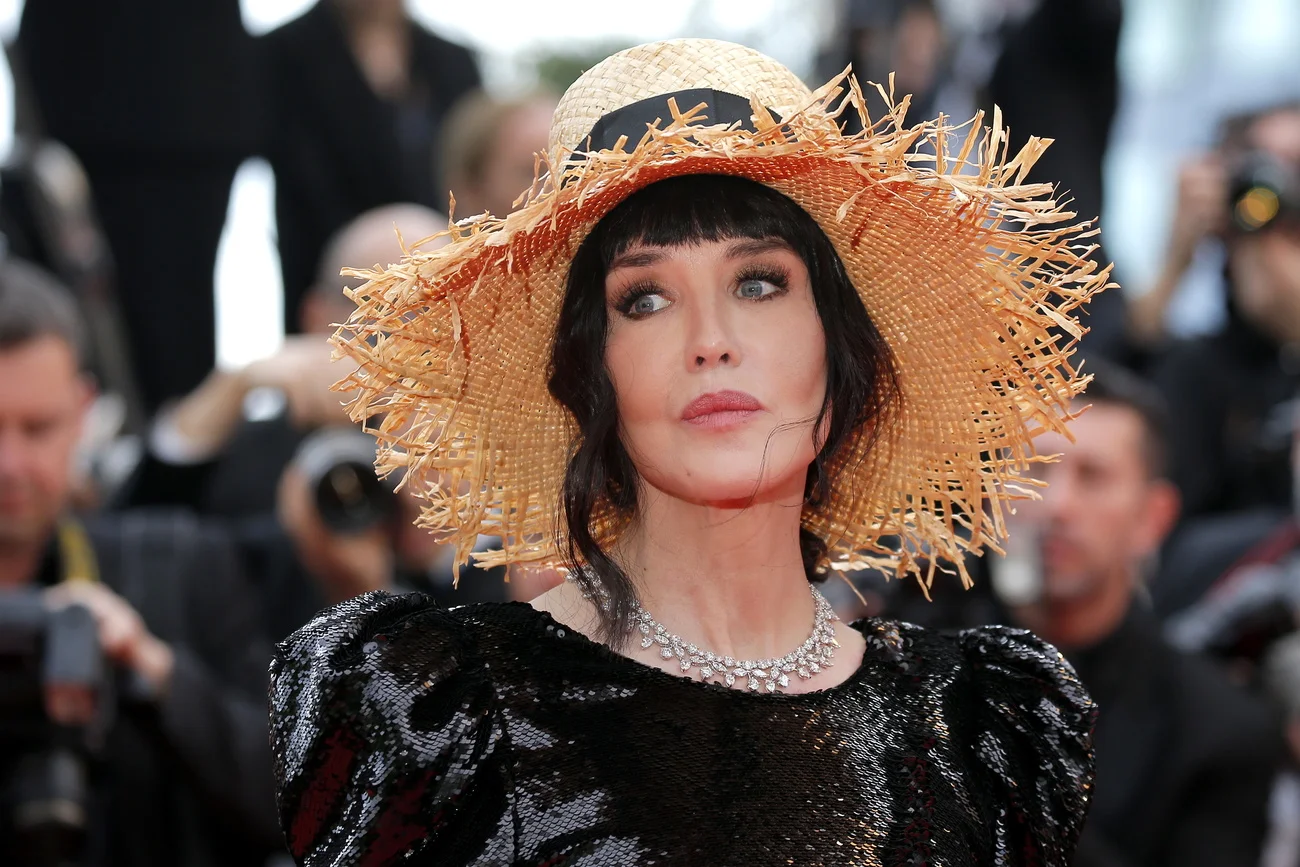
[{"x": 492, "y": 735}]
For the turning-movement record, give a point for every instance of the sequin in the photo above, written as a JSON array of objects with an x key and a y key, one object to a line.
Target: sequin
[{"x": 485, "y": 735}]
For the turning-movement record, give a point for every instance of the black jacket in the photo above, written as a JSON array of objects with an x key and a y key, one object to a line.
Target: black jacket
[
  {"x": 1057, "y": 78},
  {"x": 1230, "y": 419},
  {"x": 337, "y": 148},
  {"x": 187, "y": 779},
  {"x": 1185, "y": 759},
  {"x": 147, "y": 78}
]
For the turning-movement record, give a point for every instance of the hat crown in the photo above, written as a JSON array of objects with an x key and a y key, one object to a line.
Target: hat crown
[{"x": 660, "y": 68}]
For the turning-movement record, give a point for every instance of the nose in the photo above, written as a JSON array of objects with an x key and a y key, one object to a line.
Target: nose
[
  {"x": 1059, "y": 497},
  {"x": 711, "y": 338}
]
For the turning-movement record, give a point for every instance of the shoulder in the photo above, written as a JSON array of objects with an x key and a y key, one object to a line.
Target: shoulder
[
  {"x": 984, "y": 651},
  {"x": 154, "y": 526},
  {"x": 1007, "y": 673},
  {"x": 1025, "y": 690},
  {"x": 407, "y": 638},
  {"x": 385, "y": 731},
  {"x": 137, "y": 549},
  {"x": 1220, "y": 716},
  {"x": 453, "y": 62},
  {"x": 362, "y": 618},
  {"x": 1005, "y": 655},
  {"x": 1017, "y": 713},
  {"x": 431, "y": 41},
  {"x": 311, "y": 22}
]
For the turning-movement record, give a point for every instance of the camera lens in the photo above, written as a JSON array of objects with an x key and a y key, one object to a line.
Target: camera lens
[
  {"x": 1256, "y": 208},
  {"x": 339, "y": 468},
  {"x": 1261, "y": 188},
  {"x": 350, "y": 497},
  {"x": 47, "y": 799}
]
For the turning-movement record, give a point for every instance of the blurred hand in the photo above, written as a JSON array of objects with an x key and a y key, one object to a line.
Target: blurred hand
[
  {"x": 344, "y": 565},
  {"x": 303, "y": 370},
  {"x": 1199, "y": 212},
  {"x": 1201, "y": 209},
  {"x": 123, "y": 636}
]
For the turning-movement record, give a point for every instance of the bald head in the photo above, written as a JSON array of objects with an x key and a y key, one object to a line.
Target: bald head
[{"x": 367, "y": 241}]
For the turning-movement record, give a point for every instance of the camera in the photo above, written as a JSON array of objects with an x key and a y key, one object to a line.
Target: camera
[
  {"x": 1242, "y": 619},
  {"x": 339, "y": 466},
  {"x": 1262, "y": 191},
  {"x": 45, "y": 799}
]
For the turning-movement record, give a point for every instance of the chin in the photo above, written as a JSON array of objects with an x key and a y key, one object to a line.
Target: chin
[
  {"x": 725, "y": 470},
  {"x": 24, "y": 528},
  {"x": 724, "y": 483},
  {"x": 1062, "y": 586}
]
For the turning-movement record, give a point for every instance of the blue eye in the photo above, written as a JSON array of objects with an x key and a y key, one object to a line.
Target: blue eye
[
  {"x": 646, "y": 304},
  {"x": 754, "y": 288}
]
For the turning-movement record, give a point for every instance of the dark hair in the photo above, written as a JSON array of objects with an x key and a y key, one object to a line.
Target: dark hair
[
  {"x": 600, "y": 484},
  {"x": 1115, "y": 386},
  {"x": 34, "y": 304},
  {"x": 1234, "y": 133}
]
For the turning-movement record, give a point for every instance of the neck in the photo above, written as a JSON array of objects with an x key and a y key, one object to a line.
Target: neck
[
  {"x": 369, "y": 17},
  {"x": 1079, "y": 622},
  {"x": 18, "y": 563},
  {"x": 381, "y": 47},
  {"x": 729, "y": 580}
]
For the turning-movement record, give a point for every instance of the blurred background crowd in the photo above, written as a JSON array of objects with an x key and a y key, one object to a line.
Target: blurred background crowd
[{"x": 182, "y": 183}]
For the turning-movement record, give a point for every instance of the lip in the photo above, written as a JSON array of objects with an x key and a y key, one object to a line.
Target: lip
[{"x": 719, "y": 409}]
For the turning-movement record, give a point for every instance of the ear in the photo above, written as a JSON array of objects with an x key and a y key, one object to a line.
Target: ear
[
  {"x": 87, "y": 392},
  {"x": 470, "y": 197},
  {"x": 1163, "y": 506},
  {"x": 311, "y": 312}
]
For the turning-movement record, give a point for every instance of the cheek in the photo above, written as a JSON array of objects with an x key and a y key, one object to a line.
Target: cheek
[
  {"x": 1287, "y": 260},
  {"x": 54, "y": 462},
  {"x": 1249, "y": 277},
  {"x": 792, "y": 354},
  {"x": 1114, "y": 516},
  {"x": 641, "y": 370}
]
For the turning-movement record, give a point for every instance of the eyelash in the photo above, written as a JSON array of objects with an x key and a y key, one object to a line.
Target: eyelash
[
  {"x": 778, "y": 277},
  {"x": 632, "y": 294}
]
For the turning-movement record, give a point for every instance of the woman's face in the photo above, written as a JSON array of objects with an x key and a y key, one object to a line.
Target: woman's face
[{"x": 718, "y": 361}]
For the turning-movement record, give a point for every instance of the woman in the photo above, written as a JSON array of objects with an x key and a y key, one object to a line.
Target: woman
[{"x": 723, "y": 347}]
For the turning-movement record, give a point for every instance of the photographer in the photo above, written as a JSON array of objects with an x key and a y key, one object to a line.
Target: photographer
[
  {"x": 134, "y": 728},
  {"x": 340, "y": 531},
  {"x": 206, "y": 452},
  {"x": 1185, "y": 757},
  {"x": 1229, "y": 393}
]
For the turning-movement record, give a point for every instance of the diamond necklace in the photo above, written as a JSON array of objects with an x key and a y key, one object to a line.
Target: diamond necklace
[{"x": 758, "y": 675}]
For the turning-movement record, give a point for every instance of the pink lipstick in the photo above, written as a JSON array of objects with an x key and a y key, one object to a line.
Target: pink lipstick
[{"x": 721, "y": 409}]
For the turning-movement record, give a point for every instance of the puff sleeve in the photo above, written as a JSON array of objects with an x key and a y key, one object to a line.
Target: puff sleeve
[
  {"x": 386, "y": 737},
  {"x": 1033, "y": 745}
]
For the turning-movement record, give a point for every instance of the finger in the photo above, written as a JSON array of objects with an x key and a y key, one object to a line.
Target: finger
[
  {"x": 69, "y": 704},
  {"x": 73, "y": 593}
]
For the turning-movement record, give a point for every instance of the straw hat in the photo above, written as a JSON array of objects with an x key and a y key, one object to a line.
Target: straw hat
[{"x": 964, "y": 269}]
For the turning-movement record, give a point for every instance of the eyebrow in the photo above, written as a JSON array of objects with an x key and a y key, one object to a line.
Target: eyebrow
[
  {"x": 638, "y": 258},
  {"x": 754, "y": 246},
  {"x": 642, "y": 257}
]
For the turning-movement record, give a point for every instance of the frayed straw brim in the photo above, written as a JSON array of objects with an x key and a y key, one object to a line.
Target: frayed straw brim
[{"x": 970, "y": 275}]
